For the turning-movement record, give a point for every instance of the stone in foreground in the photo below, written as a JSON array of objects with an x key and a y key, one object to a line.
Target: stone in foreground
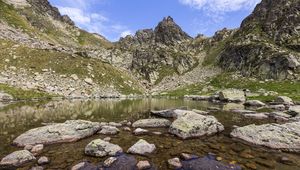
[
  {"x": 142, "y": 147},
  {"x": 285, "y": 137},
  {"x": 70, "y": 131},
  {"x": 195, "y": 125},
  {"x": 17, "y": 158},
  {"x": 232, "y": 95},
  {"x": 101, "y": 148},
  {"x": 151, "y": 123}
]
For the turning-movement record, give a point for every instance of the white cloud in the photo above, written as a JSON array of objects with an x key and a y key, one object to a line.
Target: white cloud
[
  {"x": 77, "y": 15},
  {"x": 125, "y": 33},
  {"x": 221, "y": 6}
]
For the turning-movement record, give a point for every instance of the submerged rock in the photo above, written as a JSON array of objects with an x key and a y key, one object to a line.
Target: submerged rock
[
  {"x": 195, "y": 125},
  {"x": 151, "y": 123},
  {"x": 232, "y": 95},
  {"x": 70, "y": 131},
  {"x": 101, "y": 148},
  {"x": 276, "y": 136},
  {"x": 17, "y": 158},
  {"x": 142, "y": 147},
  {"x": 256, "y": 116}
]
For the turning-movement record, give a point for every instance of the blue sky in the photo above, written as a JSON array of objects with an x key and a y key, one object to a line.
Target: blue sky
[{"x": 116, "y": 18}]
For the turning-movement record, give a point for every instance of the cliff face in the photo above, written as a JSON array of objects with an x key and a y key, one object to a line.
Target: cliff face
[{"x": 267, "y": 44}]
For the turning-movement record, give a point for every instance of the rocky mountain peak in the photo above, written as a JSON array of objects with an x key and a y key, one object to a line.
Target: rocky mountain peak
[{"x": 169, "y": 33}]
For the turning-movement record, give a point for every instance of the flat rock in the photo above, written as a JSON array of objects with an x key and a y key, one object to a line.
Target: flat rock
[
  {"x": 123, "y": 162},
  {"x": 142, "y": 147},
  {"x": 256, "y": 116},
  {"x": 276, "y": 136},
  {"x": 140, "y": 131},
  {"x": 70, "y": 131},
  {"x": 195, "y": 125},
  {"x": 101, "y": 148},
  {"x": 151, "y": 123},
  {"x": 17, "y": 158},
  {"x": 174, "y": 163},
  {"x": 164, "y": 113},
  {"x": 232, "y": 95},
  {"x": 143, "y": 165},
  {"x": 255, "y": 103},
  {"x": 109, "y": 130}
]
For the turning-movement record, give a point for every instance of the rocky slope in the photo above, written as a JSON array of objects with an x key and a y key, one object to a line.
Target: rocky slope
[{"x": 267, "y": 44}]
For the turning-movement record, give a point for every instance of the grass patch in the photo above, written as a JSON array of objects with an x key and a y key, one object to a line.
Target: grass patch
[{"x": 20, "y": 94}]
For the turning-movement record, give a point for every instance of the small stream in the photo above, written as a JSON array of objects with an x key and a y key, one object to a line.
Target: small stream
[{"x": 17, "y": 118}]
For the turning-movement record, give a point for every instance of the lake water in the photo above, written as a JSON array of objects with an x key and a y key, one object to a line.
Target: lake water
[{"x": 17, "y": 118}]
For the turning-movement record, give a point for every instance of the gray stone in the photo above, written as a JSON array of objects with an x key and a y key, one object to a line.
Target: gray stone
[
  {"x": 17, "y": 158},
  {"x": 37, "y": 149},
  {"x": 284, "y": 100},
  {"x": 232, "y": 95},
  {"x": 70, "y": 131},
  {"x": 109, "y": 161},
  {"x": 143, "y": 165},
  {"x": 294, "y": 110},
  {"x": 4, "y": 97},
  {"x": 276, "y": 136},
  {"x": 140, "y": 131},
  {"x": 174, "y": 163},
  {"x": 200, "y": 112},
  {"x": 255, "y": 103},
  {"x": 256, "y": 116},
  {"x": 142, "y": 147},
  {"x": 43, "y": 160},
  {"x": 101, "y": 148},
  {"x": 164, "y": 113},
  {"x": 195, "y": 125},
  {"x": 109, "y": 130},
  {"x": 151, "y": 123}
]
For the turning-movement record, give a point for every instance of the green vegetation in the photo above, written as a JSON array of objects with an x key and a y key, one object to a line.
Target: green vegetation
[
  {"x": 87, "y": 39},
  {"x": 225, "y": 81},
  {"x": 20, "y": 94},
  {"x": 65, "y": 64},
  {"x": 165, "y": 71}
]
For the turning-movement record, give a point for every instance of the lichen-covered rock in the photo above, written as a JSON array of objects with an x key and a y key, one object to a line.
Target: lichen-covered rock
[
  {"x": 142, "y": 147},
  {"x": 70, "y": 131},
  {"x": 276, "y": 136},
  {"x": 101, "y": 148},
  {"x": 151, "y": 123},
  {"x": 17, "y": 158},
  {"x": 195, "y": 125},
  {"x": 232, "y": 95},
  {"x": 109, "y": 130}
]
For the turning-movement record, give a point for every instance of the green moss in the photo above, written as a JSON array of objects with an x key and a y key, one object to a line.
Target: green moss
[{"x": 20, "y": 94}]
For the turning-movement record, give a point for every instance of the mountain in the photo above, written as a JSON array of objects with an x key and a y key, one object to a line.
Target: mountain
[{"x": 267, "y": 45}]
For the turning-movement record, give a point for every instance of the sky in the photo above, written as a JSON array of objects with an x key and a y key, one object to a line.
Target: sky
[{"x": 117, "y": 18}]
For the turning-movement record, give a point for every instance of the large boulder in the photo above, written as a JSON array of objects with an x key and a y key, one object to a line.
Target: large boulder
[
  {"x": 151, "y": 123},
  {"x": 142, "y": 147},
  {"x": 232, "y": 95},
  {"x": 4, "y": 97},
  {"x": 17, "y": 158},
  {"x": 109, "y": 130},
  {"x": 195, "y": 125},
  {"x": 101, "y": 148},
  {"x": 276, "y": 136},
  {"x": 70, "y": 131}
]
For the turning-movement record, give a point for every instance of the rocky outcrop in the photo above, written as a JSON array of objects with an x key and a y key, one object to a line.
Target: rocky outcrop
[
  {"x": 70, "y": 131},
  {"x": 284, "y": 137},
  {"x": 193, "y": 125}
]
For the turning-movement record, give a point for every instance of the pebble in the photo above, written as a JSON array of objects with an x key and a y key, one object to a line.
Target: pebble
[{"x": 143, "y": 165}]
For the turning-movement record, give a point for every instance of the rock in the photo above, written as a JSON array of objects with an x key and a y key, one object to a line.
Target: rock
[
  {"x": 151, "y": 123},
  {"x": 294, "y": 110},
  {"x": 88, "y": 81},
  {"x": 186, "y": 156},
  {"x": 195, "y": 125},
  {"x": 43, "y": 160},
  {"x": 4, "y": 97},
  {"x": 255, "y": 103},
  {"x": 127, "y": 129},
  {"x": 142, "y": 147},
  {"x": 208, "y": 162},
  {"x": 74, "y": 77},
  {"x": 109, "y": 130},
  {"x": 140, "y": 131},
  {"x": 84, "y": 166},
  {"x": 17, "y": 158},
  {"x": 109, "y": 161},
  {"x": 124, "y": 162},
  {"x": 232, "y": 95},
  {"x": 70, "y": 131},
  {"x": 37, "y": 149},
  {"x": 164, "y": 113},
  {"x": 28, "y": 147},
  {"x": 107, "y": 139},
  {"x": 284, "y": 100},
  {"x": 115, "y": 124},
  {"x": 101, "y": 148},
  {"x": 143, "y": 165},
  {"x": 276, "y": 136},
  {"x": 279, "y": 107},
  {"x": 200, "y": 112},
  {"x": 256, "y": 116},
  {"x": 174, "y": 163},
  {"x": 241, "y": 111},
  {"x": 37, "y": 168},
  {"x": 179, "y": 113},
  {"x": 286, "y": 160},
  {"x": 279, "y": 116}
]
